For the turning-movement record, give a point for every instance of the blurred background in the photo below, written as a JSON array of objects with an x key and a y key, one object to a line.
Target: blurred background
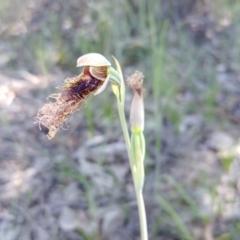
[{"x": 78, "y": 186}]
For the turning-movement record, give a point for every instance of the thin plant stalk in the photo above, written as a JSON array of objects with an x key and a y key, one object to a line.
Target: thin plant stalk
[
  {"x": 142, "y": 215},
  {"x": 139, "y": 196},
  {"x": 120, "y": 94},
  {"x": 125, "y": 130}
]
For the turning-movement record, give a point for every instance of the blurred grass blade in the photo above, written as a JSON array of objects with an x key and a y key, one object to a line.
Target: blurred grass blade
[{"x": 176, "y": 219}]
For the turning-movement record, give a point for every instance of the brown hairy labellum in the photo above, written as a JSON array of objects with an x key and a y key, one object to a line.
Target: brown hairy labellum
[{"x": 53, "y": 115}]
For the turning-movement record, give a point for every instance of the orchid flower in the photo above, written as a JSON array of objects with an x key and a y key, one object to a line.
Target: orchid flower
[{"x": 96, "y": 73}]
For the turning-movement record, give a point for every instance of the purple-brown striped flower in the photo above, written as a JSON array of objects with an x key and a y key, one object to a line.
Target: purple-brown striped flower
[{"x": 74, "y": 92}]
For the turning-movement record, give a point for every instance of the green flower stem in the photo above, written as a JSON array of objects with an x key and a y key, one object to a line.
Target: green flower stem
[
  {"x": 138, "y": 150},
  {"x": 140, "y": 201},
  {"x": 135, "y": 167},
  {"x": 142, "y": 215},
  {"x": 125, "y": 132}
]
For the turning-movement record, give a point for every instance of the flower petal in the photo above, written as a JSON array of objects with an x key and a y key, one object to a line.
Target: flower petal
[
  {"x": 103, "y": 86},
  {"x": 100, "y": 73},
  {"x": 93, "y": 59}
]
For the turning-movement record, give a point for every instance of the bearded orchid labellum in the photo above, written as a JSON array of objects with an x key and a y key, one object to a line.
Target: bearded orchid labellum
[{"x": 74, "y": 92}]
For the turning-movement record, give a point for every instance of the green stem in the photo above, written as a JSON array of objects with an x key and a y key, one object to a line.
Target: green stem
[
  {"x": 142, "y": 215},
  {"x": 125, "y": 132},
  {"x": 140, "y": 201}
]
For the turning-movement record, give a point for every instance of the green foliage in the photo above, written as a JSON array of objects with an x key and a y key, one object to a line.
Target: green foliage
[
  {"x": 66, "y": 171},
  {"x": 182, "y": 229},
  {"x": 227, "y": 162}
]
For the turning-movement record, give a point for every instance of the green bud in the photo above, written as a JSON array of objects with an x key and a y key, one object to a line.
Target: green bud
[
  {"x": 137, "y": 113},
  {"x": 137, "y": 127},
  {"x": 138, "y": 151}
]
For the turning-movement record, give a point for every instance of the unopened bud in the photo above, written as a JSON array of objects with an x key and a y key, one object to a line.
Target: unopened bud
[
  {"x": 137, "y": 107},
  {"x": 137, "y": 113},
  {"x": 137, "y": 127}
]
